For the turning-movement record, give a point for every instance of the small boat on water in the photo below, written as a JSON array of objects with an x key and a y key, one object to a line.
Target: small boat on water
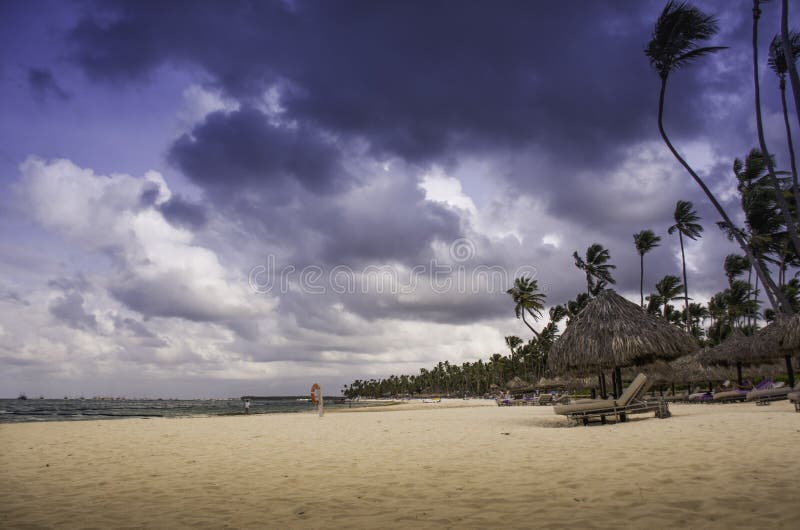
[
  {"x": 22, "y": 397},
  {"x": 303, "y": 399}
]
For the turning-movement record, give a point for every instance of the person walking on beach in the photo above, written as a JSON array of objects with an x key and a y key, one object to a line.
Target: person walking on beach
[{"x": 247, "y": 406}]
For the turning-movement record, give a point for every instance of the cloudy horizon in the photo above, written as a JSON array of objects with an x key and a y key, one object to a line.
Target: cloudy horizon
[{"x": 202, "y": 199}]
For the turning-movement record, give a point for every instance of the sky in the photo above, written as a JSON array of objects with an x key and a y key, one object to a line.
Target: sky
[{"x": 211, "y": 199}]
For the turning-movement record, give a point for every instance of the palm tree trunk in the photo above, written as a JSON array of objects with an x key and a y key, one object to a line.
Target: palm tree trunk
[
  {"x": 750, "y": 294},
  {"x": 777, "y": 299},
  {"x": 787, "y": 52},
  {"x": 791, "y": 225},
  {"x": 685, "y": 284},
  {"x": 641, "y": 280},
  {"x": 755, "y": 299},
  {"x": 529, "y": 326},
  {"x": 792, "y": 160}
]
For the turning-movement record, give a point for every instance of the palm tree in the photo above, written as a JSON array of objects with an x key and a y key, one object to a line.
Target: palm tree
[
  {"x": 789, "y": 53},
  {"x": 777, "y": 61},
  {"x": 645, "y": 241},
  {"x": 668, "y": 289},
  {"x": 735, "y": 265},
  {"x": 675, "y": 43},
  {"x": 686, "y": 225},
  {"x": 791, "y": 225},
  {"x": 513, "y": 342},
  {"x": 528, "y": 299},
  {"x": 596, "y": 267}
]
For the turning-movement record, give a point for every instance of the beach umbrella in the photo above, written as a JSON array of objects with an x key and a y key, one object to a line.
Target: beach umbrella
[
  {"x": 611, "y": 333},
  {"x": 780, "y": 339},
  {"x": 565, "y": 383},
  {"x": 518, "y": 385},
  {"x": 736, "y": 350}
]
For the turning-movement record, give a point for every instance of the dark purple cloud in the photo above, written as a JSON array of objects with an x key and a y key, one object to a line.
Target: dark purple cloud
[
  {"x": 242, "y": 148},
  {"x": 413, "y": 79},
  {"x": 180, "y": 212}
]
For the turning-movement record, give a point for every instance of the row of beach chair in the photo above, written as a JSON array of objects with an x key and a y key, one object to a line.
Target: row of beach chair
[{"x": 635, "y": 401}]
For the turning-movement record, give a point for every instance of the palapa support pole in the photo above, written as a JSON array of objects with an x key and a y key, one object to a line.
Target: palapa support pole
[
  {"x": 603, "y": 389},
  {"x": 739, "y": 372},
  {"x": 790, "y": 370},
  {"x": 613, "y": 384},
  {"x": 618, "y": 388}
]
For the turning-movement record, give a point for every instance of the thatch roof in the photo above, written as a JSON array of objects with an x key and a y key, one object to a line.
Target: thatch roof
[
  {"x": 779, "y": 339},
  {"x": 518, "y": 384},
  {"x": 568, "y": 383},
  {"x": 614, "y": 332},
  {"x": 737, "y": 348}
]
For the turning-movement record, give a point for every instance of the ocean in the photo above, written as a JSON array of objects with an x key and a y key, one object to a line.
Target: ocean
[{"x": 32, "y": 410}]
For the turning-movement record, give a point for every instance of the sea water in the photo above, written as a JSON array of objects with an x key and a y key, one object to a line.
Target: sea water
[{"x": 28, "y": 410}]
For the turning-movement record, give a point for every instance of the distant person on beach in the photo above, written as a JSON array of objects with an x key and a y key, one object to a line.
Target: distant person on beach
[{"x": 247, "y": 406}]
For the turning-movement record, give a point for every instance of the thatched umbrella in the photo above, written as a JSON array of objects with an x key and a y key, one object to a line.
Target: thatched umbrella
[
  {"x": 612, "y": 332},
  {"x": 736, "y": 350},
  {"x": 517, "y": 385},
  {"x": 780, "y": 338},
  {"x": 566, "y": 383}
]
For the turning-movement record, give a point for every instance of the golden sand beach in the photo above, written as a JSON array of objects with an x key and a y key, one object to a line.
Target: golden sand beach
[{"x": 466, "y": 464}]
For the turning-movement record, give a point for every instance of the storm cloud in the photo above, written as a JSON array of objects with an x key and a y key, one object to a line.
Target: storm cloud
[{"x": 350, "y": 136}]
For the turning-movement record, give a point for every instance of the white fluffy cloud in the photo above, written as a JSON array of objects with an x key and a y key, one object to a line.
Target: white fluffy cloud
[{"x": 159, "y": 271}]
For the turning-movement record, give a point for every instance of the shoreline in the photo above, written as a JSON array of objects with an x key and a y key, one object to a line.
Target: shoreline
[{"x": 469, "y": 464}]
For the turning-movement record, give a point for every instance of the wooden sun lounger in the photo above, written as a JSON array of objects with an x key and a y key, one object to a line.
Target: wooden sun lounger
[
  {"x": 764, "y": 397},
  {"x": 630, "y": 402},
  {"x": 729, "y": 396}
]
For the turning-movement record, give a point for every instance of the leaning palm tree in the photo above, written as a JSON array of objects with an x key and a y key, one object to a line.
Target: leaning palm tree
[
  {"x": 596, "y": 267},
  {"x": 645, "y": 241},
  {"x": 686, "y": 225},
  {"x": 528, "y": 299},
  {"x": 791, "y": 224},
  {"x": 777, "y": 61},
  {"x": 676, "y": 37}
]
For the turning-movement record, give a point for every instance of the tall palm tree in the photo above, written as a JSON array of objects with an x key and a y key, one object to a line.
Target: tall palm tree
[
  {"x": 668, "y": 289},
  {"x": 777, "y": 61},
  {"x": 676, "y": 40},
  {"x": 528, "y": 299},
  {"x": 789, "y": 53},
  {"x": 645, "y": 241},
  {"x": 791, "y": 224},
  {"x": 596, "y": 266},
  {"x": 686, "y": 225}
]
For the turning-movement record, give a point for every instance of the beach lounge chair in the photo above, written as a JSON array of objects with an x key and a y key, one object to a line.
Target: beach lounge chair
[
  {"x": 545, "y": 399},
  {"x": 766, "y": 393},
  {"x": 701, "y": 397},
  {"x": 730, "y": 396},
  {"x": 680, "y": 396},
  {"x": 630, "y": 402}
]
